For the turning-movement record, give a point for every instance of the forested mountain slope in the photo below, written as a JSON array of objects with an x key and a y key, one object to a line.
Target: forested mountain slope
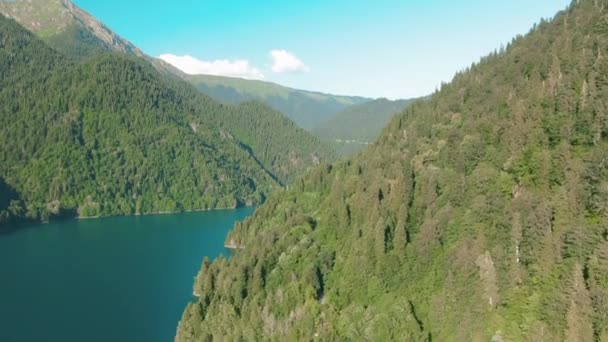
[
  {"x": 279, "y": 144},
  {"x": 284, "y": 149},
  {"x": 110, "y": 135},
  {"x": 78, "y": 35},
  {"x": 480, "y": 214},
  {"x": 306, "y": 108},
  {"x": 73, "y": 32},
  {"x": 357, "y": 126}
]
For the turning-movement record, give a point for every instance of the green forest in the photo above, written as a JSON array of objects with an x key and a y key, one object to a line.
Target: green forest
[
  {"x": 66, "y": 28},
  {"x": 480, "y": 214},
  {"x": 278, "y": 143},
  {"x": 109, "y": 135}
]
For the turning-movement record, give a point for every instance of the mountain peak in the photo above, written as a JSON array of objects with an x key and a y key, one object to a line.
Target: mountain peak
[
  {"x": 44, "y": 17},
  {"x": 50, "y": 19}
]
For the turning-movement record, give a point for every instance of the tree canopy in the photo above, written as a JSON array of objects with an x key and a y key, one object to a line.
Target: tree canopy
[
  {"x": 480, "y": 214},
  {"x": 110, "y": 135}
]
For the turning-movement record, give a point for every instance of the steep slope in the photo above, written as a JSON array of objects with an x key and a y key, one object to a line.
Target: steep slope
[
  {"x": 279, "y": 144},
  {"x": 74, "y": 32},
  {"x": 66, "y": 27},
  {"x": 480, "y": 214},
  {"x": 357, "y": 126},
  {"x": 111, "y": 136},
  {"x": 285, "y": 150},
  {"x": 305, "y": 108}
]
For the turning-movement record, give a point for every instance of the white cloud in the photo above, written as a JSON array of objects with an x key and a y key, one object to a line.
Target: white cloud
[
  {"x": 285, "y": 62},
  {"x": 221, "y": 67}
]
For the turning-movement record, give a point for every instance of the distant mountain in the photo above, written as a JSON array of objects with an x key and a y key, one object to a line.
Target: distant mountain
[
  {"x": 306, "y": 108},
  {"x": 278, "y": 143},
  {"x": 77, "y": 34},
  {"x": 357, "y": 126},
  {"x": 110, "y": 135},
  {"x": 347, "y": 123},
  {"x": 480, "y": 214}
]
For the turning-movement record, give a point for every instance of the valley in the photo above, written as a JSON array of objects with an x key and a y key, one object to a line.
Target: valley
[
  {"x": 116, "y": 115},
  {"x": 478, "y": 212}
]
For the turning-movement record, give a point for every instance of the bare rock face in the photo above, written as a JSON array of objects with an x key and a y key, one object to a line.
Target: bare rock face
[
  {"x": 47, "y": 18},
  {"x": 39, "y": 16},
  {"x": 114, "y": 41}
]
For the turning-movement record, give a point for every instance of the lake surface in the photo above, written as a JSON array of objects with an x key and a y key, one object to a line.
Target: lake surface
[{"x": 110, "y": 279}]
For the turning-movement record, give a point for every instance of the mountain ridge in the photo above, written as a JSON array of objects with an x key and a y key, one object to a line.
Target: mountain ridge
[
  {"x": 173, "y": 147},
  {"x": 51, "y": 18},
  {"x": 304, "y": 107}
]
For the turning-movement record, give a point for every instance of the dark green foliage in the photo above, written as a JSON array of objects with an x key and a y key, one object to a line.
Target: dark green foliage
[
  {"x": 110, "y": 135},
  {"x": 357, "y": 126},
  {"x": 73, "y": 32},
  {"x": 11, "y": 206},
  {"x": 280, "y": 145},
  {"x": 480, "y": 214}
]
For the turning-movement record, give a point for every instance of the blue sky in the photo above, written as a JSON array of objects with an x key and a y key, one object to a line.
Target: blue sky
[{"x": 379, "y": 48}]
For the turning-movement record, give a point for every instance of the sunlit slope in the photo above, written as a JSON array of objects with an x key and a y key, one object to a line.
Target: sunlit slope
[{"x": 480, "y": 214}]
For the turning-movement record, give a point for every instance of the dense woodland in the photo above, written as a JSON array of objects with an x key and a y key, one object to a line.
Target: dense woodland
[
  {"x": 279, "y": 144},
  {"x": 110, "y": 135},
  {"x": 480, "y": 214}
]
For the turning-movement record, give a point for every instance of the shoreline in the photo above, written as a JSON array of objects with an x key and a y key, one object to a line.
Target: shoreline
[
  {"x": 163, "y": 212},
  {"x": 22, "y": 223}
]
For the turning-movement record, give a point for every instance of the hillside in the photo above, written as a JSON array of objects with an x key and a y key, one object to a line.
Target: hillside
[
  {"x": 78, "y": 35},
  {"x": 357, "y": 126},
  {"x": 110, "y": 136},
  {"x": 480, "y": 214},
  {"x": 305, "y": 108},
  {"x": 280, "y": 145}
]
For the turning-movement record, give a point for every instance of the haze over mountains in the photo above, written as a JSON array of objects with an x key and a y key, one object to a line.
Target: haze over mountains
[
  {"x": 307, "y": 109},
  {"x": 358, "y": 126}
]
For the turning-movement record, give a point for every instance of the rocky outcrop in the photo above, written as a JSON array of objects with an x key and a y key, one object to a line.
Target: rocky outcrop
[{"x": 47, "y": 18}]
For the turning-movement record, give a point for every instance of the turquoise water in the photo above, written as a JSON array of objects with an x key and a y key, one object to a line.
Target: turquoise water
[{"x": 111, "y": 279}]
